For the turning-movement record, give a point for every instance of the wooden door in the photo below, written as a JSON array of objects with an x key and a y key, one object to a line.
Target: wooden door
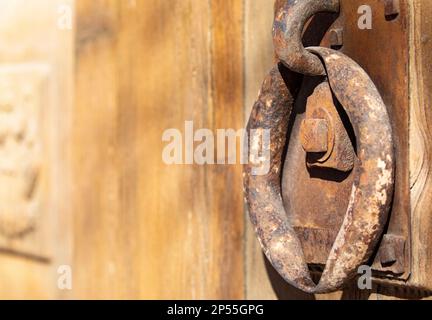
[
  {"x": 138, "y": 228},
  {"x": 112, "y": 215}
]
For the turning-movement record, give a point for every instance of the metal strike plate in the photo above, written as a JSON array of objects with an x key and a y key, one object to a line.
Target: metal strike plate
[{"x": 319, "y": 196}]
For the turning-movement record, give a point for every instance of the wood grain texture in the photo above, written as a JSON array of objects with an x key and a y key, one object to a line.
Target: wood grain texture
[
  {"x": 420, "y": 142},
  {"x": 146, "y": 229}
]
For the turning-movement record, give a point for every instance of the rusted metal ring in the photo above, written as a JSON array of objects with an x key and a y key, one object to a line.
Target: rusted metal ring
[
  {"x": 373, "y": 184},
  {"x": 288, "y": 28}
]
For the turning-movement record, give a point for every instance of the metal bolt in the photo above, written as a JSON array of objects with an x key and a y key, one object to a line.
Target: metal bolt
[
  {"x": 391, "y": 8},
  {"x": 336, "y": 37},
  {"x": 388, "y": 255},
  {"x": 391, "y": 254},
  {"x": 314, "y": 135}
]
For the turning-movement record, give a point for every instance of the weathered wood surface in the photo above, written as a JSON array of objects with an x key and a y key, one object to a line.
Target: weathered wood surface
[
  {"x": 420, "y": 141},
  {"x": 146, "y": 229},
  {"x": 142, "y": 229}
]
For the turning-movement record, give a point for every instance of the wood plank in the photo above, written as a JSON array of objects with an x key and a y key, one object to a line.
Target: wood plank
[
  {"x": 420, "y": 142},
  {"x": 225, "y": 184},
  {"x": 146, "y": 229}
]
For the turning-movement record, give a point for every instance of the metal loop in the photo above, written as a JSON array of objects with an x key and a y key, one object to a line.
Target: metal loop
[
  {"x": 372, "y": 190},
  {"x": 288, "y": 28}
]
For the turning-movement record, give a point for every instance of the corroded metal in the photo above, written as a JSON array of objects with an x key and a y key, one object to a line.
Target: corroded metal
[
  {"x": 391, "y": 254},
  {"x": 384, "y": 53},
  {"x": 340, "y": 151},
  {"x": 317, "y": 215},
  {"x": 315, "y": 135},
  {"x": 391, "y": 8},
  {"x": 373, "y": 174},
  {"x": 289, "y": 23},
  {"x": 336, "y": 37}
]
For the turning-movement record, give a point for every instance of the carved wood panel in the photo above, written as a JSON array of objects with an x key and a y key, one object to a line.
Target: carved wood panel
[
  {"x": 24, "y": 217},
  {"x": 35, "y": 115}
]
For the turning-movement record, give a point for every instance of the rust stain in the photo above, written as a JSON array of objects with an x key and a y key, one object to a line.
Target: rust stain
[
  {"x": 290, "y": 20},
  {"x": 368, "y": 208}
]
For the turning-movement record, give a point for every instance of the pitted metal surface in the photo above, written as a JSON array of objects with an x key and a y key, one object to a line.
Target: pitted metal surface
[
  {"x": 290, "y": 20},
  {"x": 373, "y": 172}
]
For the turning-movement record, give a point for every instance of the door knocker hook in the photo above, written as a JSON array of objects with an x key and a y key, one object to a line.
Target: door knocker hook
[{"x": 288, "y": 26}]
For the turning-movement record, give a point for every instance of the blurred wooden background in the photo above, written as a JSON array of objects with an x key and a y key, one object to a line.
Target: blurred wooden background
[
  {"x": 128, "y": 225},
  {"x": 144, "y": 229}
]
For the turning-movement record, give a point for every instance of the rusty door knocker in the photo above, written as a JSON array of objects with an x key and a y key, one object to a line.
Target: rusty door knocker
[{"x": 373, "y": 170}]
